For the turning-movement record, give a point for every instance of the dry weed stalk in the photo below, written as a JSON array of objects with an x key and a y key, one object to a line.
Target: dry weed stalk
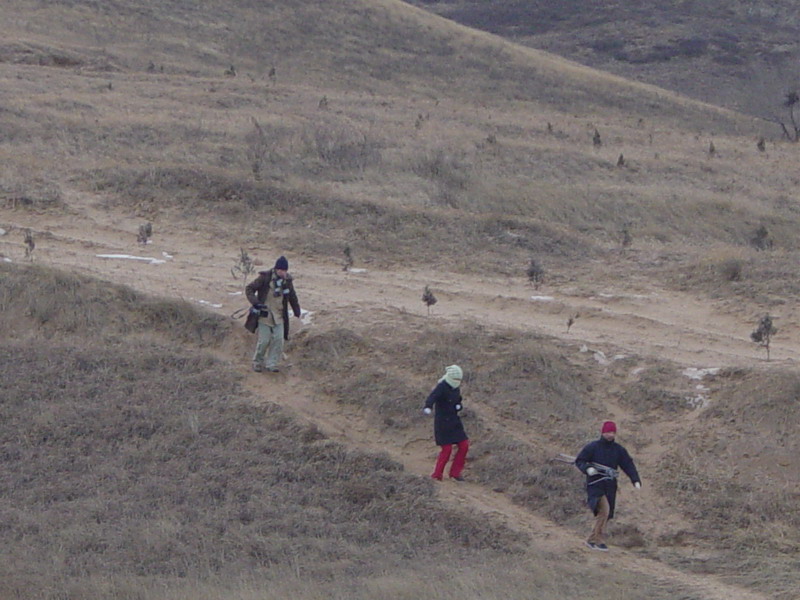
[
  {"x": 30, "y": 245},
  {"x": 145, "y": 233},
  {"x": 535, "y": 273},
  {"x": 348, "y": 258},
  {"x": 244, "y": 266},
  {"x": 428, "y": 298},
  {"x": 764, "y": 332}
]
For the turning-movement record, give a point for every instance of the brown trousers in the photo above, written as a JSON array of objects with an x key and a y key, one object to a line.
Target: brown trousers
[{"x": 600, "y": 522}]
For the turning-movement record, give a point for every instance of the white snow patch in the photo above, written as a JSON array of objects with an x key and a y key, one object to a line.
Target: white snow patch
[
  {"x": 207, "y": 303},
  {"x": 637, "y": 370},
  {"x": 600, "y": 357},
  {"x": 542, "y": 298},
  {"x": 6, "y": 259},
  {"x": 235, "y": 293},
  {"x": 693, "y": 373},
  {"x": 305, "y": 316},
  {"x": 167, "y": 255},
  {"x": 2, "y": 231},
  {"x": 152, "y": 261},
  {"x": 357, "y": 270},
  {"x": 584, "y": 348},
  {"x": 619, "y": 357}
]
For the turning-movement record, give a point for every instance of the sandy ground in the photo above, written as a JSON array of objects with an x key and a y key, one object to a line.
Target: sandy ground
[{"x": 629, "y": 316}]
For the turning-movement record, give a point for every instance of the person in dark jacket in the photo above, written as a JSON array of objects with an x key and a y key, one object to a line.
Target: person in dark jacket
[
  {"x": 600, "y": 461},
  {"x": 270, "y": 295},
  {"x": 445, "y": 403}
]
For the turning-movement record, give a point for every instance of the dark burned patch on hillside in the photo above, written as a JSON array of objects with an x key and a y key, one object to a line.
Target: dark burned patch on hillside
[{"x": 390, "y": 234}]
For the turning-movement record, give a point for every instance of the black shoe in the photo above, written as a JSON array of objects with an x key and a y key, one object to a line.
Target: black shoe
[
  {"x": 592, "y": 545},
  {"x": 459, "y": 478},
  {"x": 273, "y": 369},
  {"x": 601, "y": 547}
]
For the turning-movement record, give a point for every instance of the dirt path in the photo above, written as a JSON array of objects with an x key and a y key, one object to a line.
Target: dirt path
[
  {"x": 348, "y": 426},
  {"x": 648, "y": 323}
]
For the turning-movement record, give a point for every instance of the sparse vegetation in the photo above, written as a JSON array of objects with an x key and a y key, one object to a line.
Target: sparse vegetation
[
  {"x": 428, "y": 298},
  {"x": 764, "y": 332},
  {"x": 145, "y": 233},
  {"x": 244, "y": 266},
  {"x": 535, "y": 273},
  {"x": 30, "y": 244},
  {"x": 761, "y": 239},
  {"x": 348, "y": 258},
  {"x": 429, "y": 143}
]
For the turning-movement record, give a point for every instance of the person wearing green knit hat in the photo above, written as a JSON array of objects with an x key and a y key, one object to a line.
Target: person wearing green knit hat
[{"x": 445, "y": 403}]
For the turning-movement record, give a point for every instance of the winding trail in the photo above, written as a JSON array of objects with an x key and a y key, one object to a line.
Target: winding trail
[{"x": 630, "y": 317}]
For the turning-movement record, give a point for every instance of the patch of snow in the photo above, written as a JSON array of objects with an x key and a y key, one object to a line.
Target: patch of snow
[
  {"x": 584, "y": 348},
  {"x": 693, "y": 373},
  {"x": 167, "y": 255},
  {"x": 637, "y": 370},
  {"x": 6, "y": 259},
  {"x": 357, "y": 270},
  {"x": 207, "y": 303},
  {"x": 2, "y": 231},
  {"x": 600, "y": 357},
  {"x": 542, "y": 298},
  {"x": 152, "y": 261},
  {"x": 235, "y": 293},
  {"x": 619, "y": 357},
  {"x": 305, "y": 316}
]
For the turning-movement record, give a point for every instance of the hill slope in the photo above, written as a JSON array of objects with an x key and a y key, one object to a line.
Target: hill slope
[{"x": 741, "y": 55}]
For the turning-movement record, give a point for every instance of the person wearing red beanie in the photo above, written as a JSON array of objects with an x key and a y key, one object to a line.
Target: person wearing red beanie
[
  {"x": 599, "y": 461},
  {"x": 608, "y": 427}
]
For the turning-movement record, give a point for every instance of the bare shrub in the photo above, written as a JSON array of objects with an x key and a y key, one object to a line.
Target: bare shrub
[
  {"x": 145, "y": 232},
  {"x": 30, "y": 245},
  {"x": 262, "y": 147},
  {"x": 428, "y": 298},
  {"x": 731, "y": 269},
  {"x": 764, "y": 332},
  {"x": 761, "y": 239},
  {"x": 348, "y": 258},
  {"x": 447, "y": 170},
  {"x": 535, "y": 273},
  {"x": 244, "y": 266},
  {"x": 343, "y": 147},
  {"x": 31, "y": 193}
]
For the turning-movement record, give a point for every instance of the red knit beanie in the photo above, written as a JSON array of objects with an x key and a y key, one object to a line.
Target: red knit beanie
[{"x": 609, "y": 426}]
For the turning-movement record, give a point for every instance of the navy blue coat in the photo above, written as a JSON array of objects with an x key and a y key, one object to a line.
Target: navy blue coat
[
  {"x": 610, "y": 454},
  {"x": 447, "y": 426}
]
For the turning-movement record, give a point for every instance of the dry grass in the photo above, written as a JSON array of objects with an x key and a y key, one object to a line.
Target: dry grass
[
  {"x": 130, "y": 457},
  {"x": 528, "y": 399},
  {"x": 137, "y": 468}
]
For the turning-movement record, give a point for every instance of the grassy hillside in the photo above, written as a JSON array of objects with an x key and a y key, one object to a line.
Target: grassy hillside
[
  {"x": 742, "y": 55},
  {"x": 135, "y": 466},
  {"x": 728, "y": 475}
]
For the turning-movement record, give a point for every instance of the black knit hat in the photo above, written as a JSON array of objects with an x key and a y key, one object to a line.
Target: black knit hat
[{"x": 282, "y": 264}]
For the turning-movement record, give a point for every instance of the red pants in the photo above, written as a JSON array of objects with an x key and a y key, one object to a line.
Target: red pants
[{"x": 458, "y": 461}]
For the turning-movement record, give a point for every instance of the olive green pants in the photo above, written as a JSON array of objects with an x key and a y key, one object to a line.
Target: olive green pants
[{"x": 270, "y": 343}]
